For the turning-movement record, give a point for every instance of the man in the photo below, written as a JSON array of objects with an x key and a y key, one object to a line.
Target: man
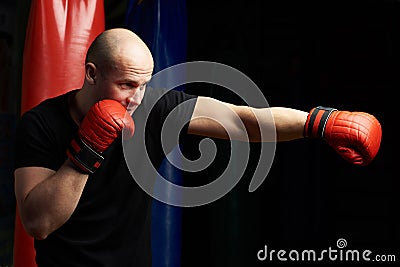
[{"x": 74, "y": 191}]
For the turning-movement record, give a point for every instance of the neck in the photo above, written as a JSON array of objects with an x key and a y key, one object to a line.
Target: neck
[{"x": 77, "y": 106}]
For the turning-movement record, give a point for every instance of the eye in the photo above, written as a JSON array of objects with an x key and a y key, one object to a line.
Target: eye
[
  {"x": 126, "y": 86},
  {"x": 131, "y": 86}
]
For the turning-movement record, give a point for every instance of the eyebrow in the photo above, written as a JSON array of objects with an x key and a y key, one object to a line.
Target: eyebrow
[
  {"x": 134, "y": 82},
  {"x": 129, "y": 81}
]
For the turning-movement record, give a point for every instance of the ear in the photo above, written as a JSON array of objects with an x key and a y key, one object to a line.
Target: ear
[{"x": 90, "y": 73}]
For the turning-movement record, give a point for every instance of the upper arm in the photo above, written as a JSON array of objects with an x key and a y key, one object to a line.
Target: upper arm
[
  {"x": 26, "y": 178},
  {"x": 214, "y": 118}
]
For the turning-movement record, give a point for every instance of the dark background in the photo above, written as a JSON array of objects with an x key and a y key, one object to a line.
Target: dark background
[
  {"x": 302, "y": 54},
  {"x": 342, "y": 54}
]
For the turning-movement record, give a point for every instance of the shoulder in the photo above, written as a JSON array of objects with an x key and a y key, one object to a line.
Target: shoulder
[
  {"x": 158, "y": 104},
  {"x": 163, "y": 98},
  {"x": 49, "y": 106},
  {"x": 50, "y": 112},
  {"x": 57, "y": 101}
]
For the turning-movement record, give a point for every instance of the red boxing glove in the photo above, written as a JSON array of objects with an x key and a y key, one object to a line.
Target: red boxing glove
[
  {"x": 100, "y": 127},
  {"x": 355, "y": 136}
]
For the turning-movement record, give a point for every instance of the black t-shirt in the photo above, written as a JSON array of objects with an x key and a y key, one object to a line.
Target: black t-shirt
[{"x": 112, "y": 221}]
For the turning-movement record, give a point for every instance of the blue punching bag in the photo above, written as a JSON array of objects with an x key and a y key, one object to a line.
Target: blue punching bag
[{"x": 162, "y": 25}]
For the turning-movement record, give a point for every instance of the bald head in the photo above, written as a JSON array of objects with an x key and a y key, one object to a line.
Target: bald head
[{"x": 114, "y": 45}]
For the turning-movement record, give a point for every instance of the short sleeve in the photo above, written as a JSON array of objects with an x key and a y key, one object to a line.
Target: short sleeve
[
  {"x": 165, "y": 115},
  {"x": 34, "y": 145}
]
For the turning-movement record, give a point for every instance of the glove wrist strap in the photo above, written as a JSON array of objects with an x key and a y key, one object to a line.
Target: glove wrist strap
[
  {"x": 316, "y": 121},
  {"x": 83, "y": 156}
]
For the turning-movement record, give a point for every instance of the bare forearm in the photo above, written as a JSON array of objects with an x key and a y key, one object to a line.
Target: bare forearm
[
  {"x": 273, "y": 124},
  {"x": 50, "y": 203},
  {"x": 289, "y": 123},
  {"x": 217, "y": 119}
]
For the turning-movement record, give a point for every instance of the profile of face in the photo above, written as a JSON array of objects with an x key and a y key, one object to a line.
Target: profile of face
[
  {"x": 125, "y": 84},
  {"x": 123, "y": 77}
]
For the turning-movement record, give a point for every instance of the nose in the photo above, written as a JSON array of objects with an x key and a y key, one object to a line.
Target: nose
[
  {"x": 135, "y": 99},
  {"x": 130, "y": 96},
  {"x": 128, "y": 100}
]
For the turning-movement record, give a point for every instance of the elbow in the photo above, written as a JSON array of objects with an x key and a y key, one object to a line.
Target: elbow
[
  {"x": 39, "y": 235},
  {"x": 37, "y": 230}
]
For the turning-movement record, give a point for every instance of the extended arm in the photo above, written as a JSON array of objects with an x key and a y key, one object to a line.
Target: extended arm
[
  {"x": 355, "y": 136},
  {"x": 214, "y": 118}
]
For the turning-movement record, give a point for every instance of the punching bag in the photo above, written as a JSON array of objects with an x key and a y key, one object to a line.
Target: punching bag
[
  {"x": 57, "y": 36},
  {"x": 162, "y": 25}
]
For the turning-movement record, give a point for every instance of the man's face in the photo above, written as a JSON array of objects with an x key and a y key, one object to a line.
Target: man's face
[{"x": 125, "y": 83}]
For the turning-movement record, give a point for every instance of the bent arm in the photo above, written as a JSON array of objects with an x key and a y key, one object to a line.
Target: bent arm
[
  {"x": 46, "y": 199},
  {"x": 214, "y": 118}
]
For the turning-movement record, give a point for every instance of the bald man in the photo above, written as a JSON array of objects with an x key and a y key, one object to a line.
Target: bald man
[{"x": 74, "y": 191}]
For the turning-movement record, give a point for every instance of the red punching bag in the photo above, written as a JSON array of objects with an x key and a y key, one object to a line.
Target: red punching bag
[{"x": 57, "y": 37}]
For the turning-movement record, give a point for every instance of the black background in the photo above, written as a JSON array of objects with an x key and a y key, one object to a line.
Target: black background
[{"x": 301, "y": 54}]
